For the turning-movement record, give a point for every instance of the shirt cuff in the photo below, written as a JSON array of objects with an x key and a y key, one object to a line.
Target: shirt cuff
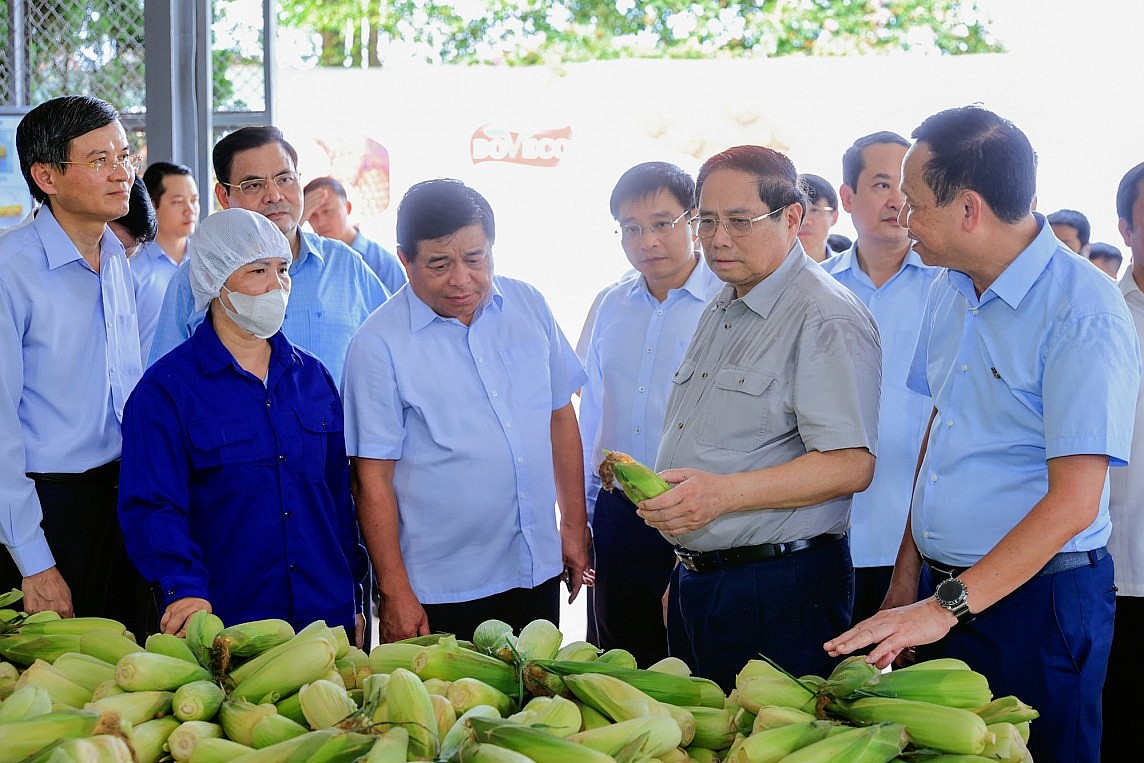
[
  {"x": 173, "y": 589},
  {"x": 34, "y": 556}
]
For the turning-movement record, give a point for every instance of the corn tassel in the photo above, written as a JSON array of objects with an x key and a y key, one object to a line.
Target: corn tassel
[
  {"x": 638, "y": 481},
  {"x": 646, "y": 737},
  {"x": 197, "y": 701},
  {"x": 287, "y": 672},
  {"x": 59, "y": 687},
  {"x": 148, "y": 738},
  {"x": 534, "y": 743},
  {"x": 170, "y": 645},
  {"x": 409, "y": 706},
  {"x": 325, "y": 704},
  {"x": 948, "y": 729},
  {"x": 25, "y": 702},
  {"x": 148, "y": 671},
  {"x": 449, "y": 661}
]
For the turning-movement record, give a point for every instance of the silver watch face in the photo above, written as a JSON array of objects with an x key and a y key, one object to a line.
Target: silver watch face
[{"x": 950, "y": 593}]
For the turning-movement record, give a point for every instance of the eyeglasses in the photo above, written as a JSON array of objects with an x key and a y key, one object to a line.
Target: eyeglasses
[
  {"x": 814, "y": 210},
  {"x": 130, "y": 164},
  {"x": 705, "y": 227},
  {"x": 258, "y": 186},
  {"x": 635, "y": 232}
]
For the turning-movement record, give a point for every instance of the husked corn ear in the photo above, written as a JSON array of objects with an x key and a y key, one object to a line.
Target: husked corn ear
[
  {"x": 289, "y": 671},
  {"x": 59, "y": 687},
  {"x": 197, "y": 701},
  {"x": 714, "y": 727},
  {"x": 467, "y": 693},
  {"x": 392, "y": 746},
  {"x": 107, "y": 645},
  {"x": 1006, "y": 709},
  {"x": 25, "y": 702},
  {"x": 144, "y": 671},
  {"x": 848, "y": 676},
  {"x": 135, "y": 707},
  {"x": 212, "y": 750},
  {"x": 24, "y": 649},
  {"x": 536, "y": 744},
  {"x": 774, "y": 744},
  {"x": 149, "y": 738},
  {"x": 490, "y": 635},
  {"x": 759, "y": 683},
  {"x": 85, "y": 670},
  {"x": 614, "y": 698},
  {"x": 671, "y": 665},
  {"x": 182, "y": 740},
  {"x": 538, "y": 640},
  {"x": 449, "y": 661},
  {"x": 953, "y": 688},
  {"x": 273, "y": 728},
  {"x": 874, "y": 744},
  {"x": 445, "y": 714},
  {"x": 384, "y": 658},
  {"x": 578, "y": 651},
  {"x": 409, "y": 706},
  {"x": 170, "y": 645},
  {"x": 665, "y": 687},
  {"x": 638, "y": 481},
  {"x": 458, "y": 734},
  {"x": 248, "y": 639},
  {"x": 948, "y": 729},
  {"x": 325, "y": 704},
  {"x": 646, "y": 737},
  {"x": 773, "y": 716},
  {"x": 201, "y": 628}
]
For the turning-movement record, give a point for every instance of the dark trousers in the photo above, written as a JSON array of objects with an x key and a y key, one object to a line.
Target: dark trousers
[
  {"x": 784, "y": 608},
  {"x": 81, "y": 523},
  {"x": 517, "y": 607},
  {"x": 870, "y": 586},
  {"x": 1122, "y": 686},
  {"x": 633, "y": 567},
  {"x": 1047, "y": 643}
]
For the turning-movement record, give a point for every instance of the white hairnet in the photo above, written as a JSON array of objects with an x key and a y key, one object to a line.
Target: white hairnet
[{"x": 223, "y": 243}]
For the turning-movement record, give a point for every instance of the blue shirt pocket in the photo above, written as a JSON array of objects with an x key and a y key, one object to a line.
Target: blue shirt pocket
[{"x": 216, "y": 443}]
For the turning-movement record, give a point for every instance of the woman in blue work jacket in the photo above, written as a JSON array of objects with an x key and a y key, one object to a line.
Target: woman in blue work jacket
[{"x": 234, "y": 491}]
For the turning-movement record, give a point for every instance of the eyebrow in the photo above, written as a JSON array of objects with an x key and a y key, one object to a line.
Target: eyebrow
[
  {"x": 882, "y": 176},
  {"x": 263, "y": 177}
]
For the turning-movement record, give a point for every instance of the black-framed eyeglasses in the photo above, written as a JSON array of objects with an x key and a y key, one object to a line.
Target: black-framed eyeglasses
[
  {"x": 705, "y": 227},
  {"x": 130, "y": 164},
  {"x": 258, "y": 186},
  {"x": 635, "y": 232}
]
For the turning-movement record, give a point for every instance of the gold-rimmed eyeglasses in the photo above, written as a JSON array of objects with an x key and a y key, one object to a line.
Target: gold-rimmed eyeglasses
[
  {"x": 705, "y": 227},
  {"x": 130, "y": 163},
  {"x": 259, "y": 186}
]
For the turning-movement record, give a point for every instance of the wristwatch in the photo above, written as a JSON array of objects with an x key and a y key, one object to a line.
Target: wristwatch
[{"x": 954, "y": 596}]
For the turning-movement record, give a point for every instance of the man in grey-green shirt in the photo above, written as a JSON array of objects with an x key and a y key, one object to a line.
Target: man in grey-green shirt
[{"x": 770, "y": 428}]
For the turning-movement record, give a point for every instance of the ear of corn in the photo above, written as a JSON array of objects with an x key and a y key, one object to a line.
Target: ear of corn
[
  {"x": 760, "y": 683},
  {"x": 325, "y": 704},
  {"x": 437, "y": 686},
  {"x": 774, "y": 716},
  {"x": 392, "y": 746},
  {"x": 774, "y": 744},
  {"x": 448, "y": 661},
  {"x": 665, "y": 687},
  {"x": 107, "y": 689},
  {"x": 954, "y": 688},
  {"x": 144, "y": 671},
  {"x": 614, "y": 698},
  {"x": 239, "y": 717},
  {"x": 171, "y": 646},
  {"x": 491, "y": 753},
  {"x": 638, "y": 481},
  {"x": 538, "y": 640},
  {"x": 59, "y": 687},
  {"x": 248, "y": 639},
  {"x": 341, "y": 641},
  {"x": 107, "y": 645},
  {"x": 1007, "y": 744},
  {"x": 149, "y": 738},
  {"x": 672, "y": 666},
  {"x": 714, "y": 727},
  {"x": 197, "y": 701},
  {"x": 21, "y": 739},
  {"x": 489, "y": 636},
  {"x": 409, "y": 706},
  {"x": 702, "y": 755},
  {"x": 385, "y": 658},
  {"x": 1006, "y": 709},
  {"x": 85, "y": 670},
  {"x": 591, "y": 718},
  {"x": 315, "y": 630},
  {"x": 619, "y": 657},
  {"x": 202, "y": 627},
  {"x": 467, "y": 693},
  {"x": 291, "y": 707},
  {"x": 24, "y": 649},
  {"x": 182, "y": 740},
  {"x": 534, "y": 743},
  {"x": 25, "y": 702},
  {"x": 286, "y": 673},
  {"x": 556, "y": 715},
  {"x": 646, "y": 737},
  {"x": 445, "y": 714},
  {"x": 938, "y": 663},
  {"x": 135, "y": 707},
  {"x": 949, "y": 729},
  {"x": 218, "y": 751},
  {"x": 272, "y": 728},
  {"x": 875, "y": 744},
  {"x": 76, "y": 625},
  {"x": 580, "y": 651},
  {"x": 103, "y": 748},
  {"x": 459, "y": 732},
  {"x": 848, "y": 676}
]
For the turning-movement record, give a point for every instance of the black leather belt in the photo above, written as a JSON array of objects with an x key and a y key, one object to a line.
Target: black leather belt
[
  {"x": 99, "y": 475},
  {"x": 1062, "y": 562},
  {"x": 706, "y": 561}
]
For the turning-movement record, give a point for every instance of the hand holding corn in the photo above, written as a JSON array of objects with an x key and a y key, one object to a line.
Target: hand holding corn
[
  {"x": 175, "y": 617},
  {"x": 695, "y": 499}
]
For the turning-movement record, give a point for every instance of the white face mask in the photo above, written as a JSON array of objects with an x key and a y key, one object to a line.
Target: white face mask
[{"x": 260, "y": 314}]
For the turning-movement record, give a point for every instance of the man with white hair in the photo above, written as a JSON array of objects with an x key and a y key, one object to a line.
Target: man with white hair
[{"x": 235, "y": 435}]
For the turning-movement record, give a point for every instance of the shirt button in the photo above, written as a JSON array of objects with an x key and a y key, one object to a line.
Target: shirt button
[
  {"x": 637, "y": 430},
  {"x": 282, "y": 457},
  {"x": 949, "y": 423},
  {"x": 974, "y": 311},
  {"x": 925, "y": 534},
  {"x": 508, "y": 425},
  {"x": 964, "y": 367},
  {"x": 293, "y": 567},
  {"x": 933, "y": 478},
  {"x": 681, "y": 425},
  {"x": 643, "y": 389},
  {"x": 493, "y": 393},
  {"x": 726, "y": 325},
  {"x": 286, "y": 514},
  {"x": 649, "y": 349},
  {"x": 480, "y": 360},
  {"x": 520, "y": 459},
  {"x": 703, "y": 375},
  {"x": 659, "y": 312},
  {"x": 268, "y": 403}
]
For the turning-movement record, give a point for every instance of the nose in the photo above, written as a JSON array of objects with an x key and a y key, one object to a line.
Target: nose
[
  {"x": 272, "y": 192},
  {"x": 120, "y": 170},
  {"x": 722, "y": 235}
]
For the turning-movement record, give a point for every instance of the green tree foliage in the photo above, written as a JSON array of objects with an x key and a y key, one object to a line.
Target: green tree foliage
[{"x": 518, "y": 32}]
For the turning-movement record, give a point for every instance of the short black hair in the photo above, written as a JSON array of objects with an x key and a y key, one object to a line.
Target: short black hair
[
  {"x": 977, "y": 150},
  {"x": 1128, "y": 192},
  {"x": 817, "y": 187},
  {"x": 1075, "y": 219},
  {"x": 778, "y": 179},
  {"x": 140, "y": 220},
  {"x": 45, "y": 133},
  {"x": 646, "y": 180},
  {"x": 838, "y": 243},
  {"x": 1102, "y": 251},
  {"x": 156, "y": 171},
  {"x": 854, "y": 160},
  {"x": 327, "y": 182},
  {"x": 437, "y": 208},
  {"x": 244, "y": 139}
]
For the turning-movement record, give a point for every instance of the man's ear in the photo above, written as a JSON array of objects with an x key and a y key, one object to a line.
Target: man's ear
[
  {"x": 1125, "y": 232},
  {"x": 44, "y": 178},
  {"x": 401, "y": 256},
  {"x": 846, "y": 196},
  {"x": 222, "y": 196}
]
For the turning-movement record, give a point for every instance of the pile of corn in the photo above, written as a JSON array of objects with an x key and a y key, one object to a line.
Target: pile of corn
[{"x": 259, "y": 692}]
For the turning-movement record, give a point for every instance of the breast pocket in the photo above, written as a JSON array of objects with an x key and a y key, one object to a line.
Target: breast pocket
[
  {"x": 737, "y": 412},
  {"x": 527, "y": 366},
  {"x": 218, "y": 443},
  {"x": 317, "y": 427}
]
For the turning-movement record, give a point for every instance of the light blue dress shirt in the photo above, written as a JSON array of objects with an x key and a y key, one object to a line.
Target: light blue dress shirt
[
  {"x": 382, "y": 262},
  {"x": 69, "y": 358},
  {"x": 151, "y": 270},
  {"x": 332, "y": 291},
  {"x": 878, "y": 514},
  {"x": 637, "y": 344},
  {"x": 1044, "y": 364},
  {"x": 466, "y": 413}
]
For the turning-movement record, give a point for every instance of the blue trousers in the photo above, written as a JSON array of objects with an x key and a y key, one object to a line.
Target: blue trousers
[
  {"x": 1047, "y": 643},
  {"x": 784, "y": 608}
]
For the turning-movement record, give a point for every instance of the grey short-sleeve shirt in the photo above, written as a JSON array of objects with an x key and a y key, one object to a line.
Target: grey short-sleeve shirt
[{"x": 793, "y": 366}]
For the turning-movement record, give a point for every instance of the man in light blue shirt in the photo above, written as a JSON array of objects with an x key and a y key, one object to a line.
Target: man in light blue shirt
[
  {"x": 462, "y": 433},
  {"x": 892, "y": 281},
  {"x": 641, "y": 331},
  {"x": 69, "y": 358},
  {"x": 333, "y": 289},
  {"x": 328, "y": 212},
  {"x": 1032, "y": 361}
]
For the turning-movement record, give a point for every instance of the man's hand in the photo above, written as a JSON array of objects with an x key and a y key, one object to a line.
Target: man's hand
[
  {"x": 401, "y": 617},
  {"x": 574, "y": 544},
  {"x": 175, "y": 617},
  {"x": 695, "y": 499},
  {"x": 359, "y": 630},
  {"x": 45, "y": 591},
  {"x": 894, "y": 631},
  {"x": 312, "y": 201}
]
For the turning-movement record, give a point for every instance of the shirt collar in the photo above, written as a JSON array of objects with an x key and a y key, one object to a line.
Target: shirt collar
[
  {"x": 214, "y": 358},
  {"x": 765, "y": 295},
  {"x": 308, "y": 244},
  {"x": 848, "y": 260},
  {"x": 59, "y": 249},
  {"x": 694, "y": 285},
  {"x": 1018, "y": 278},
  {"x": 421, "y": 315}
]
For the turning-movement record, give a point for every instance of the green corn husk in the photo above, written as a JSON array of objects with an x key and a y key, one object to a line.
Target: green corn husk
[
  {"x": 202, "y": 628},
  {"x": 170, "y": 645},
  {"x": 873, "y": 744},
  {"x": 952, "y": 688},
  {"x": 291, "y": 707},
  {"x": 218, "y": 751},
  {"x": 149, "y": 738},
  {"x": 645, "y": 737},
  {"x": 135, "y": 707},
  {"x": 59, "y": 687},
  {"x": 556, "y": 715},
  {"x": 938, "y": 663},
  {"x": 272, "y": 728},
  {"x": 21, "y": 739},
  {"x": 76, "y": 625},
  {"x": 1007, "y": 745},
  {"x": 392, "y": 746},
  {"x": 457, "y": 735},
  {"x": 619, "y": 657},
  {"x": 183, "y": 739},
  {"x": 197, "y": 701},
  {"x": 534, "y": 743},
  {"x": 467, "y": 693},
  {"x": 437, "y": 686},
  {"x": 107, "y": 689},
  {"x": 315, "y": 630},
  {"x": 489, "y": 636},
  {"x": 239, "y": 717},
  {"x": 343, "y": 747},
  {"x": 448, "y": 661},
  {"x": 948, "y": 729},
  {"x": 341, "y": 641},
  {"x": 1006, "y": 709},
  {"x": 774, "y": 744},
  {"x": 745, "y": 719},
  {"x": 445, "y": 714},
  {"x": 702, "y": 754},
  {"x": 672, "y": 666},
  {"x": 295, "y": 749},
  {"x": 848, "y": 676},
  {"x": 373, "y": 688},
  {"x": 288, "y": 672},
  {"x": 475, "y": 752},
  {"x": 578, "y": 651},
  {"x": 775, "y": 716},
  {"x": 760, "y": 683},
  {"x": 638, "y": 481},
  {"x": 85, "y": 670},
  {"x": 409, "y": 706},
  {"x": 385, "y": 658},
  {"x": 104, "y": 748},
  {"x": 255, "y": 637},
  {"x": 107, "y": 645},
  {"x": 24, "y": 649},
  {"x": 616, "y": 699},
  {"x": 148, "y": 671},
  {"x": 25, "y": 702},
  {"x": 353, "y": 667},
  {"x": 538, "y": 640},
  {"x": 665, "y": 687},
  {"x": 591, "y": 718},
  {"x": 325, "y": 704},
  {"x": 715, "y": 728}
]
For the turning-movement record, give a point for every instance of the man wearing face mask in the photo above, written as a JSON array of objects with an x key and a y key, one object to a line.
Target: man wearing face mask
[{"x": 237, "y": 434}]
